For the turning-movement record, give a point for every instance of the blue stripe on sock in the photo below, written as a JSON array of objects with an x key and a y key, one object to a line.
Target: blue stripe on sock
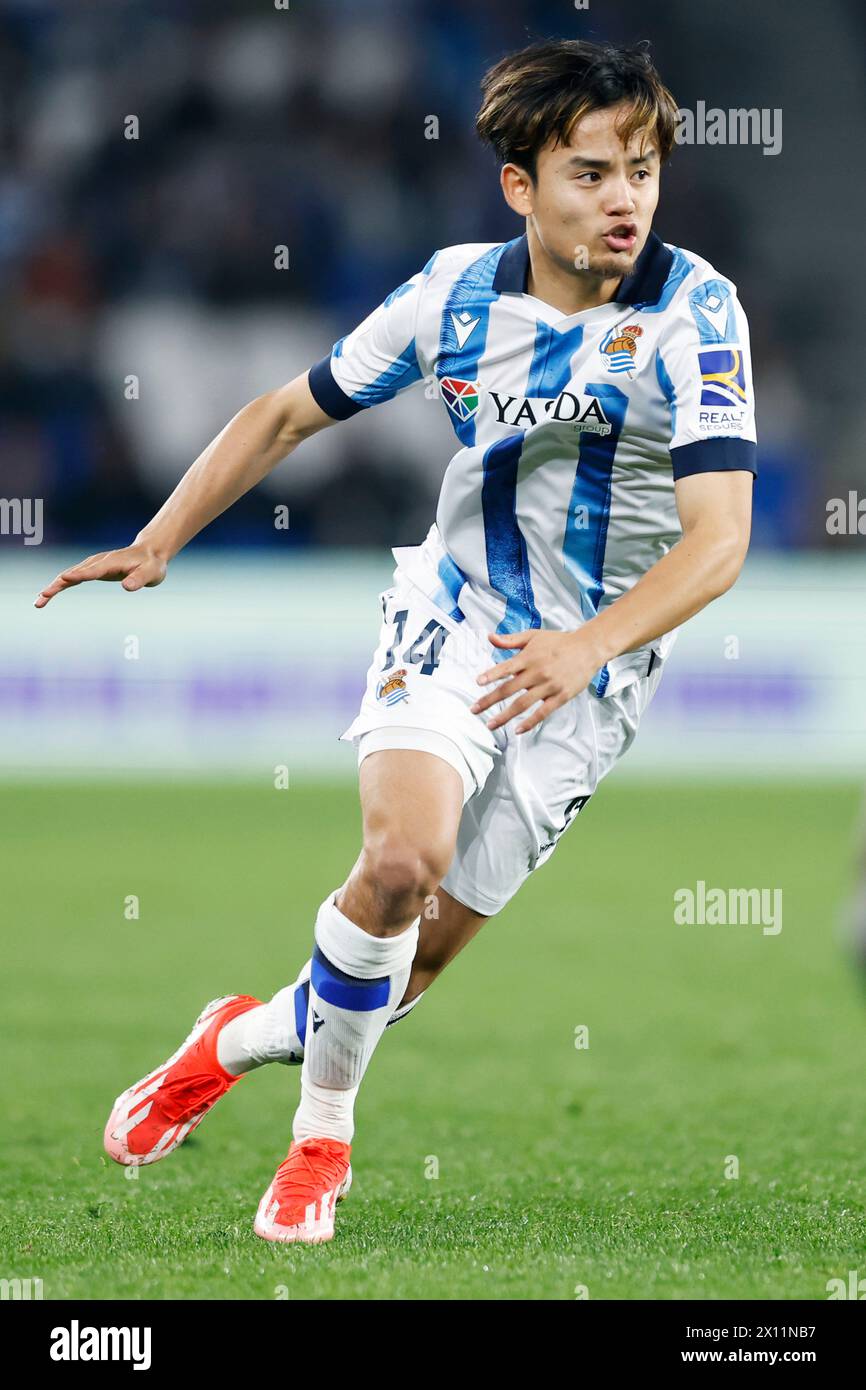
[
  {"x": 302, "y": 997},
  {"x": 345, "y": 991}
]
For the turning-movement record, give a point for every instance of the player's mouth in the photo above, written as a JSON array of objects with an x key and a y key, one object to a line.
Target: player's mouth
[{"x": 622, "y": 237}]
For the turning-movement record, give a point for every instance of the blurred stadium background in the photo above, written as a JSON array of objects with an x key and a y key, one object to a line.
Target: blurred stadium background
[{"x": 154, "y": 258}]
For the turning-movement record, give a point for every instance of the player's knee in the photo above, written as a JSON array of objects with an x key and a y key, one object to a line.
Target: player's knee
[{"x": 403, "y": 876}]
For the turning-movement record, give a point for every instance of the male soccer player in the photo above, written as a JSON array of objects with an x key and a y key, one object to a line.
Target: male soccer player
[{"x": 599, "y": 386}]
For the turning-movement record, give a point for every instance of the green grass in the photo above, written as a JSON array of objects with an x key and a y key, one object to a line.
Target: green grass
[{"x": 558, "y": 1167}]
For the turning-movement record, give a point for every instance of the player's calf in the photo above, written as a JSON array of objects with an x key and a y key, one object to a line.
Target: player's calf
[{"x": 365, "y": 940}]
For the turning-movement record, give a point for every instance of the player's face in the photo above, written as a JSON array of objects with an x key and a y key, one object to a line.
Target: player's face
[{"x": 593, "y": 200}]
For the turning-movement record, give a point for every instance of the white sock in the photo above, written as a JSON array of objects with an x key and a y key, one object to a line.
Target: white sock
[
  {"x": 356, "y": 983},
  {"x": 274, "y": 1032},
  {"x": 404, "y": 1009}
]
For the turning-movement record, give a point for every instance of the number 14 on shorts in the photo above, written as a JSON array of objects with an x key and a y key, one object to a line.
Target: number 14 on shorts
[{"x": 424, "y": 651}]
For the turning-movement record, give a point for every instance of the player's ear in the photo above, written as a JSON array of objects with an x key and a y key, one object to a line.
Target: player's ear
[{"x": 517, "y": 189}]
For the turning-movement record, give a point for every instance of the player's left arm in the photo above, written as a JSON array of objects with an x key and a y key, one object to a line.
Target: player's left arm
[{"x": 715, "y": 510}]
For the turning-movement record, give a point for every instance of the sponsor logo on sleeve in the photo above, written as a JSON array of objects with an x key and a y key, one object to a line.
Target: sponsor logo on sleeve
[
  {"x": 723, "y": 389},
  {"x": 713, "y": 312},
  {"x": 723, "y": 380}
]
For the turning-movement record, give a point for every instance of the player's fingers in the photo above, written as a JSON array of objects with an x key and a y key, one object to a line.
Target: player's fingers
[
  {"x": 67, "y": 580},
  {"x": 516, "y": 707},
  {"x": 502, "y": 670},
  {"x": 510, "y": 640},
  {"x": 105, "y": 565},
  {"x": 544, "y": 709},
  {"x": 46, "y": 595},
  {"x": 144, "y": 576},
  {"x": 500, "y": 692},
  {"x": 520, "y": 706},
  {"x": 91, "y": 568}
]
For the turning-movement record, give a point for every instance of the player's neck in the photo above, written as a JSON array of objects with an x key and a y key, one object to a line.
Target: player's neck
[{"x": 562, "y": 288}]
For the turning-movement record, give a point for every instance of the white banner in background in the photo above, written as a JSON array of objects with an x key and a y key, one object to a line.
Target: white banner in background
[{"x": 238, "y": 665}]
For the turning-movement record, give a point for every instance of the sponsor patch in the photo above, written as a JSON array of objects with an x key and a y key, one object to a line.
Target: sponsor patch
[
  {"x": 583, "y": 413},
  {"x": 723, "y": 380},
  {"x": 461, "y": 397}
]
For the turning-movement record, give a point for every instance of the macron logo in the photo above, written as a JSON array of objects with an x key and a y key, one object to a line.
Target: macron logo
[
  {"x": 77, "y": 1343},
  {"x": 317, "y": 1022},
  {"x": 715, "y": 311},
  {"x": 464, "y": 326}
]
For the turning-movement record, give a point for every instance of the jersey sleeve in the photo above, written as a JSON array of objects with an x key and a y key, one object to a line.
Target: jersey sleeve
[
  {"x": 375, "y": 361},
  {"x": 705, "y": 373}
]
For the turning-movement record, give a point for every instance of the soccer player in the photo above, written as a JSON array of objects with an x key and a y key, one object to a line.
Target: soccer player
[{"x": 599, "y": 386}]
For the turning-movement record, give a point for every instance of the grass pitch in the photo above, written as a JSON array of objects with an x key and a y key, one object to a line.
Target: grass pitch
[{"x": 559, "y": 1168}]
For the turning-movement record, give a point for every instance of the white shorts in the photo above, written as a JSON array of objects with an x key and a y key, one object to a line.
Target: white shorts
[{"x": 521, "y": 792}]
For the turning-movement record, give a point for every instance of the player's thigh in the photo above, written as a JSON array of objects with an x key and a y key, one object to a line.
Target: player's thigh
[
  {"x": 543, "y": 782},
  {"x": 421, "y": 751},
  {"x": 411, "y": 803},
  {"x": 421, "y": 685}
]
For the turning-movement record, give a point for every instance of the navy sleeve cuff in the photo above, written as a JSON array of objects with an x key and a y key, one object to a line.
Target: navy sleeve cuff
[
  {"x": 715, "y": 456},
  {"x": 328, "y": 395}
]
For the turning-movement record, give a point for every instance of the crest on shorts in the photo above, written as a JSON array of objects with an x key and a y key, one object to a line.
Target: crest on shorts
[
  {"x": 392, "y": 689},
  {"x": 619, "y": 347}
]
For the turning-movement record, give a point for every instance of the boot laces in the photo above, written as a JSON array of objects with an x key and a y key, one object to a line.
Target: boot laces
[
  {"x": 312, "y": 1167},
  {"x": 185, "y": 1096}
]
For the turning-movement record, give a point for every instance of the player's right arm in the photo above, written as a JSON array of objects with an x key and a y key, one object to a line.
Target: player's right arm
[
  {"x": 241, "y": 455},
  {"x": 372, "y": 364}
]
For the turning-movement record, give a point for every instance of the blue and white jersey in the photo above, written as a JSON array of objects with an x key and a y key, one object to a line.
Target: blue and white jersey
[{"x": 572, "y": 428}]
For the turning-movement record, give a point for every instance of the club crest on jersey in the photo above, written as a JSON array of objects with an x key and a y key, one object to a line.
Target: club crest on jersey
[
  {"x": 619, "y": 348},
  {"x": 461, "y": 397},
  {"x": 723, "y": 378},
  {"x": 392, "y": 689}
]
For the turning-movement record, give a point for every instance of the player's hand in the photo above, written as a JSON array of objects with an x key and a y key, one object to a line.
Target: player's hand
[
  {"x": 551, "y": 667},
  {"x": 136, "y": 566}
]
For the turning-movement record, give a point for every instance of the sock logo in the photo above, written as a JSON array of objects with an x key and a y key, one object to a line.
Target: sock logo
[{"x": 317, "y": 1022}]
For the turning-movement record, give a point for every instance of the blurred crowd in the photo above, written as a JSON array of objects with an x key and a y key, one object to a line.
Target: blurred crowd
[{"x": 155, "y": 155}]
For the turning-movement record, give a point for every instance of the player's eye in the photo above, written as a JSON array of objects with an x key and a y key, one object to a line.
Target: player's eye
[
  {"x": 589, "y": 174},
  {"x": 642, "y": 174}
]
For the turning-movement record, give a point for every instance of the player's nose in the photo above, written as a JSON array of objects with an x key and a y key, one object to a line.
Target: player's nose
[{"x": 620, "y": 200}]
